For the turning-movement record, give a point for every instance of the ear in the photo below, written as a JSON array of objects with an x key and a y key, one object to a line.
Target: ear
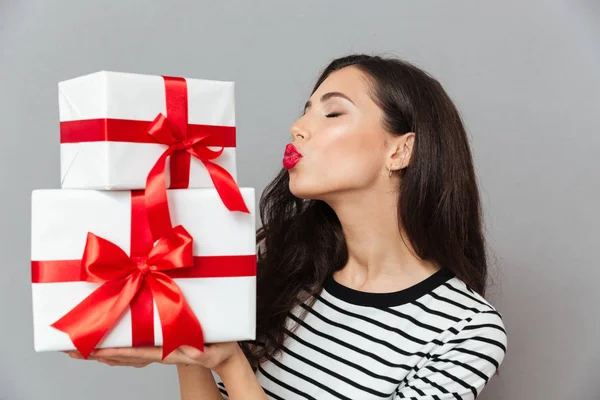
[{"x": 400, "y": 151}]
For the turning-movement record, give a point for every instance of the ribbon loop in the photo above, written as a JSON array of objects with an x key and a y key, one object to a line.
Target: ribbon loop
[
  {"x": 89, "y": 321},
  {"x": 104, "y": 261}
]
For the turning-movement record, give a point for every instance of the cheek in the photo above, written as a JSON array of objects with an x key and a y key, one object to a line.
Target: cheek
[
  {"x": 343, "y": 146},
  {"x": 341, "y": 160},
  {"x": 353, "y": 166},
  {"x": 351, "y": 156}
]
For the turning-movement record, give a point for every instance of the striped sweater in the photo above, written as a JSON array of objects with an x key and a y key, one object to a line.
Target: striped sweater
[{"x": 437, "y": 340}]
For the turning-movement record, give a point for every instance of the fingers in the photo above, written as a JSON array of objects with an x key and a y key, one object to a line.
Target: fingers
[
  {"x": 116, "y": 363},
  {"x": 76, "y": 355},
  {"x": 142, "y": 356},
  {"x": 112, "y": 362},
  {"x": 150, "y": 354},
  {"x": 193, "y": 353},
  {"x": 138, "y": 357},
  {"x": 212, "y": 356}
]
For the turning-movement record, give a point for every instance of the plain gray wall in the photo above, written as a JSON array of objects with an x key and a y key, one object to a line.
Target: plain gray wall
[{"x": 526, "y": 76}]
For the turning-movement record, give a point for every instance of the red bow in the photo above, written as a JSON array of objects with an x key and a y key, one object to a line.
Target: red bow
[
  {"x": 172, "y": 131},
  {"x": 123, "y": 278}
]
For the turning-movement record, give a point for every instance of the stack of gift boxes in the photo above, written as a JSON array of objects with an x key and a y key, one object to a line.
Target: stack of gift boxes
[{"x": 149, "y": 241}]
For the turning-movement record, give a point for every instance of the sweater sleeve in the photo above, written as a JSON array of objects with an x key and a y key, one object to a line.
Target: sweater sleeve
[
  {"x": 220, "y": 385},
  {"x": 462, "y": 367}
]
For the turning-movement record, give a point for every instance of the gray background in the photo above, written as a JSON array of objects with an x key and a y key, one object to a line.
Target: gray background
[{"x": 526, "y": 76}]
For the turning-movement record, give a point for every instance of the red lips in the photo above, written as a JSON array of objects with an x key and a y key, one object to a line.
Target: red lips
[{"x": 291, "y": 157}]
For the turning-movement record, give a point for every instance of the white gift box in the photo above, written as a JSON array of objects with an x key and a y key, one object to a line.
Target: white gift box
[
  {"x": 107, "y": 160},
  {"x": 61, "y": 219}
]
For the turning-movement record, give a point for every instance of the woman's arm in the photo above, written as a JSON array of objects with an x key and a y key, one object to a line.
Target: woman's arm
[
  {"x": 465, "y": 364},
  {"x": 239, "y": 379},
  {"x": 197, "y": 382}
]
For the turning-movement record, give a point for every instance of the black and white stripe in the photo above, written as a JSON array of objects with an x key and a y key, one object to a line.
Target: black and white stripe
[{"x": 435, "y": 340}]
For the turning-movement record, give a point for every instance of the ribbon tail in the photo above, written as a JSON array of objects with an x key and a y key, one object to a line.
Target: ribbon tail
[
  {"x": 179, "y": 323},
  {"x": 157, "y": 205},
  {"x": 226, "y": 187},
  {"x": 89, "y": 321}
]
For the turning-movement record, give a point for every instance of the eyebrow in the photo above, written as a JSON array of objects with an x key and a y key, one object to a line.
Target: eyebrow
[{"x": 328, "y": 96}]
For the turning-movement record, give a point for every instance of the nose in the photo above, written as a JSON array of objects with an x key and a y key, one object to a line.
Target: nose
[{"x": 298, "y": 133}]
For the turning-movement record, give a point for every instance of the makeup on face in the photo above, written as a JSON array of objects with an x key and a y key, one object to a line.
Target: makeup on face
[{"x": 291, "y": 156}]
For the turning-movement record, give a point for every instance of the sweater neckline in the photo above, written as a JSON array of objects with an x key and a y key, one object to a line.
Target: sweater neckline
[{"x": 390, "y": 299}]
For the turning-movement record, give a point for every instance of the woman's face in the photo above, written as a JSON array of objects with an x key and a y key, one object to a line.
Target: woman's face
[{"x": 341, "y": 140}]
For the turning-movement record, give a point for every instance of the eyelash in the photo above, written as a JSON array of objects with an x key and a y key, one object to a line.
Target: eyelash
[{"x": 333, "y": 115}]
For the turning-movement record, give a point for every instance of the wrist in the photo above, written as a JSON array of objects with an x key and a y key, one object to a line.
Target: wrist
[
  {"x": 190, "y": 367},
  {"x": 234, "y": 363},
  {"x": 197, "y": 380},
  {"x": 239, "y": 378}
]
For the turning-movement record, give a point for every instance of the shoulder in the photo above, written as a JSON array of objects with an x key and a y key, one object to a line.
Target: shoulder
[
  {"x": 479, "y": 327},
  {"x": 460, "y": 301},
  {"x": 464, "y": 360}
]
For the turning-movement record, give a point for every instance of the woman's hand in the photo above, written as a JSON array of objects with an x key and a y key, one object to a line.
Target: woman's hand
[
  {"x": 214, "y": 356},
  {"x": 226, "y": 359}
]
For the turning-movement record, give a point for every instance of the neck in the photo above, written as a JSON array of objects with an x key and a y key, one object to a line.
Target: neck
[{"x": 380, "y": 258}]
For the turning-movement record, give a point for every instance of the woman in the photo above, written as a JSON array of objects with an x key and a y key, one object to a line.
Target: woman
[{"x": 372, "y": 262}]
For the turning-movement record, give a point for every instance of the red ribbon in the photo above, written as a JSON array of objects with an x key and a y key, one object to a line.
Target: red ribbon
[
  {"x": 142, "y": 307},
  {"x": 204, "y": 267},
  {"x": 133, "y": 131},
  {"x": 172, "y": 131}
]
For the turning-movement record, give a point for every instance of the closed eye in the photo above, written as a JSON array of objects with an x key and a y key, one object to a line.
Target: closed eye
[{"x": 333, "y": 115}]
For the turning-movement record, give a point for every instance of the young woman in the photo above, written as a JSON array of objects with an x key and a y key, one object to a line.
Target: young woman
[{"x": 372, "y": 261}]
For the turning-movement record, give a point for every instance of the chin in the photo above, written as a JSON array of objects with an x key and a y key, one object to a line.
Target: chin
[
  {"x": 302, "y": 192},
  {"x": 309, "y": 189},
  {"x": 302, "y": 189}
]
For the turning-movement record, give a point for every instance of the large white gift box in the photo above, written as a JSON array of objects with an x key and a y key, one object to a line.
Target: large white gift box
[
  {"x": 224, "y": 305},
  {"x": 105, "y": 118}
]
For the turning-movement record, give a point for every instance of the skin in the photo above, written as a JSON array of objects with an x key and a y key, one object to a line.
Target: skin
[{"x": 347, "y": 159}]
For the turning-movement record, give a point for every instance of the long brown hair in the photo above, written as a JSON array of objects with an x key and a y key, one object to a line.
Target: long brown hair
[{"x": 301, "y": 242}]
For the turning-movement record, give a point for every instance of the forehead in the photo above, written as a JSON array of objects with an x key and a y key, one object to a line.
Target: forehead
[{"x": 349, "y": 80}]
